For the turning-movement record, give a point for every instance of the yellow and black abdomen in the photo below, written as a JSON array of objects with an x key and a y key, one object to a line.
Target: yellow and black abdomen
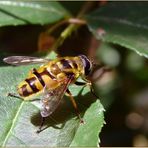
[
  {"x": 28, "y": 87},
  {"x": 31, "y": 85},
  {"x": 36, "y": 81}
]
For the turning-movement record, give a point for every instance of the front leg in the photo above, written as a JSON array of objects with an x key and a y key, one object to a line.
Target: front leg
[
  {"x": 80, "y": 83},
  {"x": 87, "y": 82}
]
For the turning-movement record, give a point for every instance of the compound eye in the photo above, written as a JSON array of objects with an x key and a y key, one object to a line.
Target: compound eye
[
  {"x": 87, "y": 64},
  {"x": 87, "y": 71},
  {"x": 87, "y": 68}
]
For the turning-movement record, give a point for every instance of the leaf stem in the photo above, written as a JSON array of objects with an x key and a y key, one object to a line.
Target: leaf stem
[
  {"x": 67, "y": 32},
  {"x": 75, "y": 23},
  {"x": 85, "y": 8}
]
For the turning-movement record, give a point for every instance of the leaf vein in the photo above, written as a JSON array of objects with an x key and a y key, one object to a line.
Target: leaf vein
[{"x": 13, "y": 123}]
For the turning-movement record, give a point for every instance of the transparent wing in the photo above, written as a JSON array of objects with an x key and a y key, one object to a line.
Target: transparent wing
[
  {"x": 24, "y": 60},
  {"x": 52, "y": 99}
]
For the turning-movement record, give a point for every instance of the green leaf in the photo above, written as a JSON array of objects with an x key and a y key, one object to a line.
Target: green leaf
[
  {"x": 123, "y": 23},
  {"x": 21, "y": 12},
  {"x": 19, "y": 120},
  {"x": 108, "y": 55},
  {"x": 92, "y": 127}
]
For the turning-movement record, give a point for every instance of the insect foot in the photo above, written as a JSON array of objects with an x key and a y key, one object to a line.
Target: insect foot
[{"x": 82, "y": 122}]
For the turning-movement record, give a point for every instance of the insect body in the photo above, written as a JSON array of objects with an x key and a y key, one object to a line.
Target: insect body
[
  {"x": 53, "y": 74},
  {"x": 52, "y": 79}
]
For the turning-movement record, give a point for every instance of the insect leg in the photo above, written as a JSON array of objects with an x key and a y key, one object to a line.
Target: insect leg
[
  {"x": 93, "y": 92},
  {"x": 18, "y": 97},
  {"x": 89, "y": 84},
  {"x": 74, "y": 105},
  {"x": 80, "y": 83},
  {"x": 92, "y": 89},
  {"x": 41, "y": 125},
  {"x": 14, "y": 95}
]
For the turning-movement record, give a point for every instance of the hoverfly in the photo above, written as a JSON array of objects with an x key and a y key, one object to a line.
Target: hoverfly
[{"x": 52, "y": 80}]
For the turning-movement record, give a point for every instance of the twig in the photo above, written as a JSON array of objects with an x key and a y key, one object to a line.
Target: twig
[{"x": 76, "y": 23}]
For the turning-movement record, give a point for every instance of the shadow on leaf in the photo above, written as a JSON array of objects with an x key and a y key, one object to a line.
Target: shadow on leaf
[{"x": 65, "y": 111}]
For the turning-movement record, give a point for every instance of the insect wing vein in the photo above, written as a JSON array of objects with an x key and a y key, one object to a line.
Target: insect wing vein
[
  {"x": 24, "y": 60},
  {"x": 52, "y": 99}
]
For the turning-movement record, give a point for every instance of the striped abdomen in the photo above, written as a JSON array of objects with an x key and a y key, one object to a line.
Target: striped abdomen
[
  {"x": 49, "y": 75},
  {"x": 35, "y": 82}
]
